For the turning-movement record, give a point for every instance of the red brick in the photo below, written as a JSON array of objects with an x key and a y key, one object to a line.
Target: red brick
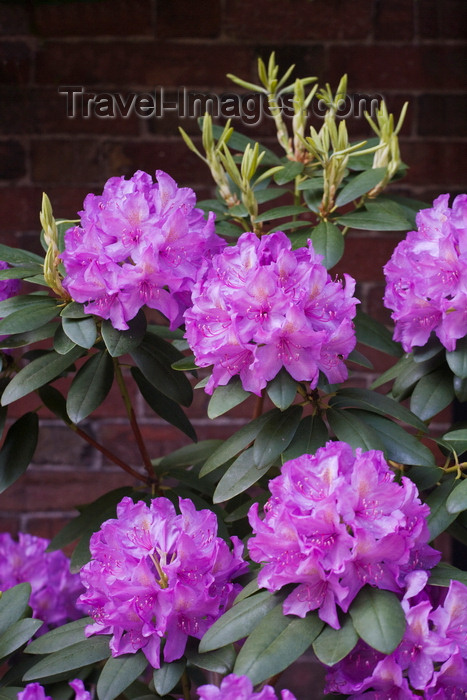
[
  {"x": 305, "y": 674},
  {"x": 442, "y": 115},
  {"x": 66, "y": 161},
  {"x": 394, "y": 20},
  {"x": 15, "y": 62},
  {"x": 403, "y": 67},
  {"x": 12, "y": 160},
  {"x": 14, "y": 20},
  {"x": 442, "y": 20},
  {"x": 187, "y": 19},
  {"x": 138, "y": 63},
  {"x": 440, "y": 163},
  {"x": 288, "y": 20},
  {"x": 9, "y": 524},
  {"x": 90, "y": 18},
  {"x": 61, "y": 446},
  {"x": 47, "y": 526},
  {"x": 365, "y": 255}
]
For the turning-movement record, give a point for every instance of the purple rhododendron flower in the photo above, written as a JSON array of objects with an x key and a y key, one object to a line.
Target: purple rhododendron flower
[
  {"x": 155, "y": 574},
  {"x": 139, "y": 243},
  {"x": 337, "y": 521},
  {"x": 240, "y": 688},
  {"x": 8, "y": 288},
  {"x": 259, "y": 306},
  {"x": 431, "y": 658},
  {"x": 35, "y": 691},
  {"x": 54, "y": 588},
  {"x": 426, "y": 277}
]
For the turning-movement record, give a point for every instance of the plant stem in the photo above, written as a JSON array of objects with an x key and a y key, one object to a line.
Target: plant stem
[
  {"x": 258, "y": 409},
  {"x": 110, "y": 455},
  {"x": 185, "y": 686},
  {"x": 133, "y": 422}
]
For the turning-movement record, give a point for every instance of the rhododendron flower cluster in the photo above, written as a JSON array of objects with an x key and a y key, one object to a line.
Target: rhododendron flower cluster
[
  {"x": 139, "y": 243},
  {"x": 35, "y": 691},
  {"x": 54, "y": 588},
  {"x": 432, "y": 656},
  {"x": 426, "y": 277},
  {"x": 155, "y": 574},
  {"x": 8, "y": 288},
  {"x": 337, "y": 521},
  {"x": 240, "y": 688},
  {"x": 259, "y": 306}
]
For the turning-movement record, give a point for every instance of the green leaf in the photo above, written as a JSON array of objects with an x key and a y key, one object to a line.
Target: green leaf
[
  {"x": 282, "y": 390},
  {"x": 226, "y": 397},
  {"x": 328, "y": 241},
  {"x": 122, "y": 342},
  {"x": 239, "y": 620},
  {"x": 442, "y": 575},
  {"x": 397, "y": 443},
  {"x": 457, "y": 359},
  {"x": 162, "y": 405},
  {"x": 288, "y": 172},
  {"x": 242, "y": 473},
  {"x": 349, "y": 428},
  {"x": 190, "y": 454},
  {"x": 118, "y": 673},
  {"x": 359, "y": 359},
  {"x": 186, "y": 364},
  {"x": 22, "y": 272},
  {"x": 457, "y": 439},
  {"x": 360, "y": 185},
  {"x": 39, "y": 372},
  {"x": 18, "y": 340},
  {"x": 311, "y": 434},
  {"x": 62, "y": 342},
  {"x": 440, "y": 518},
  {"x": 74, "y": 310},
  {"x": 217, "y": 661},
  {"x": 377, "y": 216},
  {"x": 167, "y": 676},
  {"x": 378, "y": 618},
  {"x": 406, "y": 361},
  {"x": 424, "y": 477},
  {"x": 13, "y": 605},
  {"x": 90, "y": 386},
  {"x": 17, "y": 256},
  {"x": 375, "y": 335},
  {"x": 410, "y": 374},
  {"x": 82, "y": 331},
  {"x": 29, "y": 318},
  {"x": 157, "y": 369},
  {"x": 23, "y": 301},
  {"x": 275, "y": 436},
  {"x": 378, "y": 403},
  {"x": 18, "y": 634},
  {"x": 18, "y": 449},
  {"x": 54, "y": 401},
  {"x": 238, "y": 142},
  {"x": 331, "y": 646},
  {"x": 60, "y": 637},
  {"x": 457, "y": 499},
  {"x": 276, "y": 643},
  {"x": 76, "y": 656},
  {"x": 460, "y": 389},
  {"x": 281, "y": 212},
  {"x": 432, "y": 393},
  {"x": 234, "y": 444},
  {"x": 242, "y": 510}
]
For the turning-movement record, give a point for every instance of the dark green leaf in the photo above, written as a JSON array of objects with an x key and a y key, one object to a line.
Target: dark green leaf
[
  {"x": 328, "y": 241},
  {"x": 62, "y": 342},
  {"x": 240, "y": 620},
  {"x": 311, "y": 434},
  {"x": 157, "y": 369},
  {"x": 242, "y": 473},
  {"x": 18, "y": 449},
  {"x": 29, "y": 318},
  {"x": 375, "y": 335},
  {"x": 90, "y": 386},
  {"x": 167, "y": 676},
  {"x": 18, "y": 340},
  {"x": 234, "y": 444},
  {"x": 242, "y": 510},
  {"x": 23, "y": 301},
  {"x": 440, "y": 518},
  {"x": 377, "y": 216},
  {"x": 281, "y": 212},
  {"x": 122, "y": 342},
  {"x": 457, "y": 439},
  {"x": 331, "y": 646},
  {"x": 82, "y": 331},
  {"x": 13, "y": 605},
  {"x": 268, "y": 194},
  {"x": 10, "y": 693},
  {"x": 282, "y": 390},
  {"x": 190, "y": 454},
  {"x": 457, "y": 359},
  {"x": 349, "y": 428},
  {"x": 118, "y": 673},
  {"x": 18, "y": 634},
  {"x": 406, "y": 361},
  {"x": 19, "y": 273},
  {"x": 185, "y": 365},
  {"x": 217, "y": 661},
  {"x": 275, "y": 436},
  {"x": 74, "y": 310},
  {"x": 226, "y": 397},
  {"x": 363, "y": 161},
  {"x": 16, "y": 256},
  {"x": 60, "y": 637},
  {"x": 54, "y": 401},
  {"x": 378, "y": 618},
  {"x": 442, "y": 575},
  {"x": 37, "y": 373},
  {"x": 424, "y": 477},
  {"x": 238, "y": 142},
  {"x": 162, "y": 405},
  {"x": 359, "y": 359},
  {"x": 431, "y": 348},
  {"x": 432, "y": 393},
  {"x": 288, "y": 172},
  {"x": 410, "y": 374},
  {"x": 360, "y": 185},
  {"x": 378, "y": 403},
  {"x": 276, "y": 643},
  {"x": 73, "y": 657},
  {"x": 460, "y": 389},
  {"x": 457, "y": 499}
]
